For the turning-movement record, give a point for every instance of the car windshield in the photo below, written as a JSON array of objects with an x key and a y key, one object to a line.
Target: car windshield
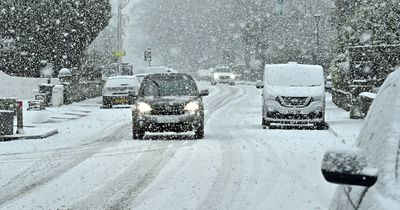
[
  {"x": 169, "y": 86},
  {"x": 122, "y": 82},
  {"x": 294, "y": 77}
]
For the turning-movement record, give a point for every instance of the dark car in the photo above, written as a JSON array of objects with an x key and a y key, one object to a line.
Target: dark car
[{"x": 168, "y": 102}]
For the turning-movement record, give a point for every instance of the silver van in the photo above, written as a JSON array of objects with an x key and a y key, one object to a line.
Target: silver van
[{"x": 293, "y": 94}]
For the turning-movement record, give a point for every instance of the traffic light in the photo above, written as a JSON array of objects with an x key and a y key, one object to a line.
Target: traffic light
[{"x": 147, "y": 55}]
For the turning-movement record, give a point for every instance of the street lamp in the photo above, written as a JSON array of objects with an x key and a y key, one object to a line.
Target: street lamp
[{"x": 317, "y": 18}]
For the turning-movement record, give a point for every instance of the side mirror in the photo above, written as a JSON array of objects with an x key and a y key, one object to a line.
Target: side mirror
[
  {"x": 259, "y": 84},
  {"x": 348, "y": 167},
  {"x": 204, "y": 93}
]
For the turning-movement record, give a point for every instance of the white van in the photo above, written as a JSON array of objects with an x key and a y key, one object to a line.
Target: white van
[{"x": 293, "y": 94}]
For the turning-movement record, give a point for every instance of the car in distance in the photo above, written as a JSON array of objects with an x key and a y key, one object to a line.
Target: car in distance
[
  {"x": 293, "y": 94},
  {"x": 223, "y": 75},
  {"x": 168, "y": 102},
  {"x": 117, "y": 89},
  {"x": 367, "y": 173}
]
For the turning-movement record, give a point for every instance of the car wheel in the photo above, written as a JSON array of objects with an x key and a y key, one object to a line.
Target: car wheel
[
  {"x": 265, "y": 124},
  {"x": 321, "y": 126},
  {"x": 138, "y": 134},
  {"x": 199, "y": 133},
  {"x": 106, "y": 103}
]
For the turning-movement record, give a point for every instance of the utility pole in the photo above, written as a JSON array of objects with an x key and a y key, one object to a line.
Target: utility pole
[
  {"x": 317, "y": 17},
  {"x": 121, "y": 5}
]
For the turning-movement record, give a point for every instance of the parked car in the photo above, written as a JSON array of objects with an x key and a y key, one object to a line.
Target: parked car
[
  {"x": 293, "y": 94},
  {"x": 223, "y": 75},
  {"x": 368, "y": 173},
  {"x": 117, "y": 89},
  {"x": 168, "y": 102}
]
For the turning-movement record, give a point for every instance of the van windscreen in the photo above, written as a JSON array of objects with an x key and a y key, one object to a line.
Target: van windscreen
[{"x": 295, "y": 77}]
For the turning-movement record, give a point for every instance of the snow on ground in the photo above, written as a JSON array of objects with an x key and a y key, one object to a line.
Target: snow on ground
[
  {"x": 340, "y": 124},
  {"x": 94, "y": 163},
  {"x": 20, "y": 87}
]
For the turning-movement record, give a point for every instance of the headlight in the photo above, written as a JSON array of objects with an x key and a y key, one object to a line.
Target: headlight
[
  {"x": 318, "y": 98},
  {"x": 192, "y": 106},
  {"x": 143, "y": 107},
  {"x": 216, "y": 76},
  {"x": 271, "y": 97},
  {"x": 232, "y": 76}
]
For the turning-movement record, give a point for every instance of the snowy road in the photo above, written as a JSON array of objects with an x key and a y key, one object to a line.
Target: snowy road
[{"x": 237, "y": 166}]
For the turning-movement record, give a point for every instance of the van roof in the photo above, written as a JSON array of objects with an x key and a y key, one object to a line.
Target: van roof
[
  {"x": 293, "y": 65},
  {"x": 294, "y": 75}
]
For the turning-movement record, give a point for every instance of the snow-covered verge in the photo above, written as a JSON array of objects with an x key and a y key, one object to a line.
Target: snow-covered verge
[
  {"x": 340, "y": 124},
  {"x": 78, "y": 123},
  {"x": 20, "y": 87}
]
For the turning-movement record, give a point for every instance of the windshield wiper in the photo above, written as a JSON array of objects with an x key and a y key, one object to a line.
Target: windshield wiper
[{"x": 158, "y": 88}]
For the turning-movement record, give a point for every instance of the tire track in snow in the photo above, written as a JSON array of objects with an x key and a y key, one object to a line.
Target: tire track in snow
[
  {"x": 231, "y": 183},
  {"x": 130, "y": 184},
  {"x": 225, "y": 180},
  {"x": 47, "y": 170},
  {"x": 228, "y": 95}
]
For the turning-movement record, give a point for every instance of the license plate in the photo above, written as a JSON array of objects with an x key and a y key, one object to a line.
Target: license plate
[
  {"x": 167, "y": 119},
  {"x": 121, "y": 101},
  {"x": 294, "y": 111}
]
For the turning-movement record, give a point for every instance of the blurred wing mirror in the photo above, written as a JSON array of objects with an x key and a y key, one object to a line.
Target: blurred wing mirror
[
  {"x": 348, "y": 166},
  {"x": 259, "y": 84},
  {"x": 204, "y": 93}
]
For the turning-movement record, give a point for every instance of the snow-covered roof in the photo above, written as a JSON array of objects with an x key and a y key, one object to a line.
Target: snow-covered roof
[
  {"x": 122, "y": 77},
  {"x": 368, "y": 95},
  {"x": 293, "y": 65},
  {"x": 118, "y": 81}
]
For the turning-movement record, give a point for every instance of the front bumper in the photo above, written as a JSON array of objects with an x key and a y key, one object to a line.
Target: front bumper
[
  {"x": 173, "y": 123},
  {"x": 276, "y": 113}
]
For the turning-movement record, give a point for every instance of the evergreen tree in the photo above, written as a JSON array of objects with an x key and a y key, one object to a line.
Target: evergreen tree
[{"x": 46, "y": 31}]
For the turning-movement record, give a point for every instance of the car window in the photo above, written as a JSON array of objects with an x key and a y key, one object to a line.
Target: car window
[{"x": 169, "y": 86}]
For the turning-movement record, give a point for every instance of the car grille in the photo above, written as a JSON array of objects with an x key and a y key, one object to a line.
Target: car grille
[
  {"x": 295, "y": 102},
  {"x": 277, "y": 115},
  {"x": 166, "y": 109}
]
